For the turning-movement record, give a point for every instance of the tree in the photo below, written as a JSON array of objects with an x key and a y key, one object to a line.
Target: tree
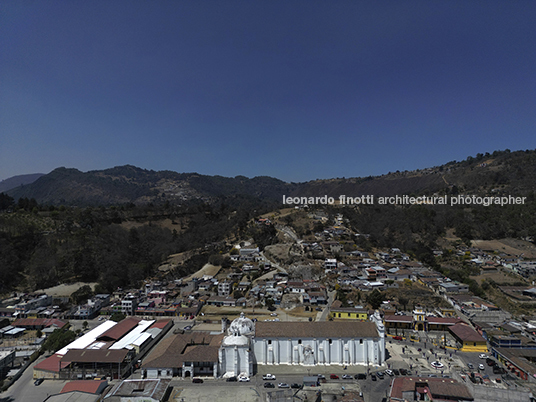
[
  {"x": 215, "y": 259},
  {"x": 237, "y": 294},
  {"x": 85, "y": 325},
  {"x": 82, "y": 294},
  {"x": 58, "y": 339},
  {"x": 403, "y": 301},
  {"x": 375, "y": 299},
  {"x": 118, "y": 317},
  {"x": 269, "y": 302}
]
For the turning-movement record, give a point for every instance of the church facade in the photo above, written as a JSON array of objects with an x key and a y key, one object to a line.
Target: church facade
[{"x": 319, "y": 343}]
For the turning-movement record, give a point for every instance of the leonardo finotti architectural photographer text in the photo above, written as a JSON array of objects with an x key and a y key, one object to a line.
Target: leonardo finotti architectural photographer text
[{"x": 406, "y": 200}]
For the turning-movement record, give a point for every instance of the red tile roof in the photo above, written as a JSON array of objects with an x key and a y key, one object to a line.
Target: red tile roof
[
  {"x": 160, "y": 324},
  {"x": 465, "y": 333},
  {"x": 398, "y": 318},
  {"x": 91, "y": 387},
  {"x": 52, "y": 363},
  {"x": 317, "y": 329},
  {"x": 95, "y": 356},
  {"x": 35, "y": 322},
  {"x": 120, "y": 329},
  {"x": 441, "y": 388}
]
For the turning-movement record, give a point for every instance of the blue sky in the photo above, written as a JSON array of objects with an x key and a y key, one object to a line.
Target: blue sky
[{"x": 297, "y": 90}]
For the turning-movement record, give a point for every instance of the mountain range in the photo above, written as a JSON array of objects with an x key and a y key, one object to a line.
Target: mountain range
[
  {"x": 20, "y": 180},
  {"x": 495, "y": 173}
]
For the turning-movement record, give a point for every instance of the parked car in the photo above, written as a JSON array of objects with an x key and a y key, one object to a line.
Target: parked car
[
  {"x": 283, "y": 385},
  {"x": 334, "y": 376},
  {"x": 268, "y": 377},
  {"x": 397, "y": 338},
  {"x": 403, "y": 371},
  {"x": 481, "y": 367},
  {"x": 498, "y": 370},
  {"x": 188, "y": 327},
  {"x": 243, "y": 378},
  {"x": 269, "y": 385},
  {"x": 347, "y": 377},
  {"x": 360, "y": 376},
  {"x": 373, "y": 377},
  {"x": 295, "y": 386},
  {"x": 482, "y": 356},
  {"x": 39, "y": 381},
  {"x": 197, "y": 381},
  {"x": 232, "y": 379},
  {"x": 389, "y": 372},
  {"x": 396, "y": 372},
  {"x": 470, "y": 365},
  {"x": 321, "y": 376},
  {"x": 380, "y": 375}
]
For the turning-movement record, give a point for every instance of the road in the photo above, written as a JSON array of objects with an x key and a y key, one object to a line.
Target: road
[
  {"x": 24, "y": 390},
  {"x": 323, "y": 316},
  {"x": 273, "y": 264}
]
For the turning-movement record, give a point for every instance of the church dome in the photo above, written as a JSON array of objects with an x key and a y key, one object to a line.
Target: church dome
[
  {"x": 239, "y": 340},
  {"x": 241, "y": 326}
]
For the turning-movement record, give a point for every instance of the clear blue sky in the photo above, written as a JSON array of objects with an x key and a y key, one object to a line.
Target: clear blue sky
[{"x": 297, "y": 90}]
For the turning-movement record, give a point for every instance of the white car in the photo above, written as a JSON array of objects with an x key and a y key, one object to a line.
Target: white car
[
  {"x": 483, "y": 356},
  {"x": 268, "y": 377},
  {"x": 243, "y": 378},
  {"x": 437, "y": 365},
  {"x": 283, "y": 385},
  {"x": 481, "y": 367},
  {"x": 389, "y": 372}
]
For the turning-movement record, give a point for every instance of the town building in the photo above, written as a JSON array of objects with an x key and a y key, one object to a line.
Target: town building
[
  {"x": 148, "y": 390},
  {"x": 467, "y": 339},
  {"x": 428, "y": 389}
]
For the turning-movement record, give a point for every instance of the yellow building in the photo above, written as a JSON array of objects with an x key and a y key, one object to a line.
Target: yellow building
[
  {"x": 419, "y": 319},
  {"x": 348, "y": 313},
  {"x": 448, "y": 312},
  {"x": 468, "y": 339}
]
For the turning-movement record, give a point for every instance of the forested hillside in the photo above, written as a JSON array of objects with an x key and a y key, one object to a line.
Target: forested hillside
[
  {"x": 495, "y": 173},
  {"x": 43, "y": 246},
  {"x": 87, "y": 227}
]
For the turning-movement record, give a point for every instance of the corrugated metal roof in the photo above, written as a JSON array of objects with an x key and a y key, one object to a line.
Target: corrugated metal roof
[
  {"x": 129, "y": 338},
  {"x": 52, "y": 363},
  {"x": 141, "y": 339},
  {"x": 14, "y": 331},
  {"x": 466, "y": 333},
  {"x": 95, "y": 356},
  {"x": 87, "y": 339},
  {"x": 121, "y": 329},
  {"x": 92, "y": 387}
]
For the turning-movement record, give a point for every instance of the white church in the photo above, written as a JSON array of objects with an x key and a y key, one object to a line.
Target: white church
[{"x": 300, "y": 343}]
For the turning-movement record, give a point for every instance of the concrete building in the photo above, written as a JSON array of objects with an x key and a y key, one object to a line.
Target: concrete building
[{"x": 129, "y": 305}]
